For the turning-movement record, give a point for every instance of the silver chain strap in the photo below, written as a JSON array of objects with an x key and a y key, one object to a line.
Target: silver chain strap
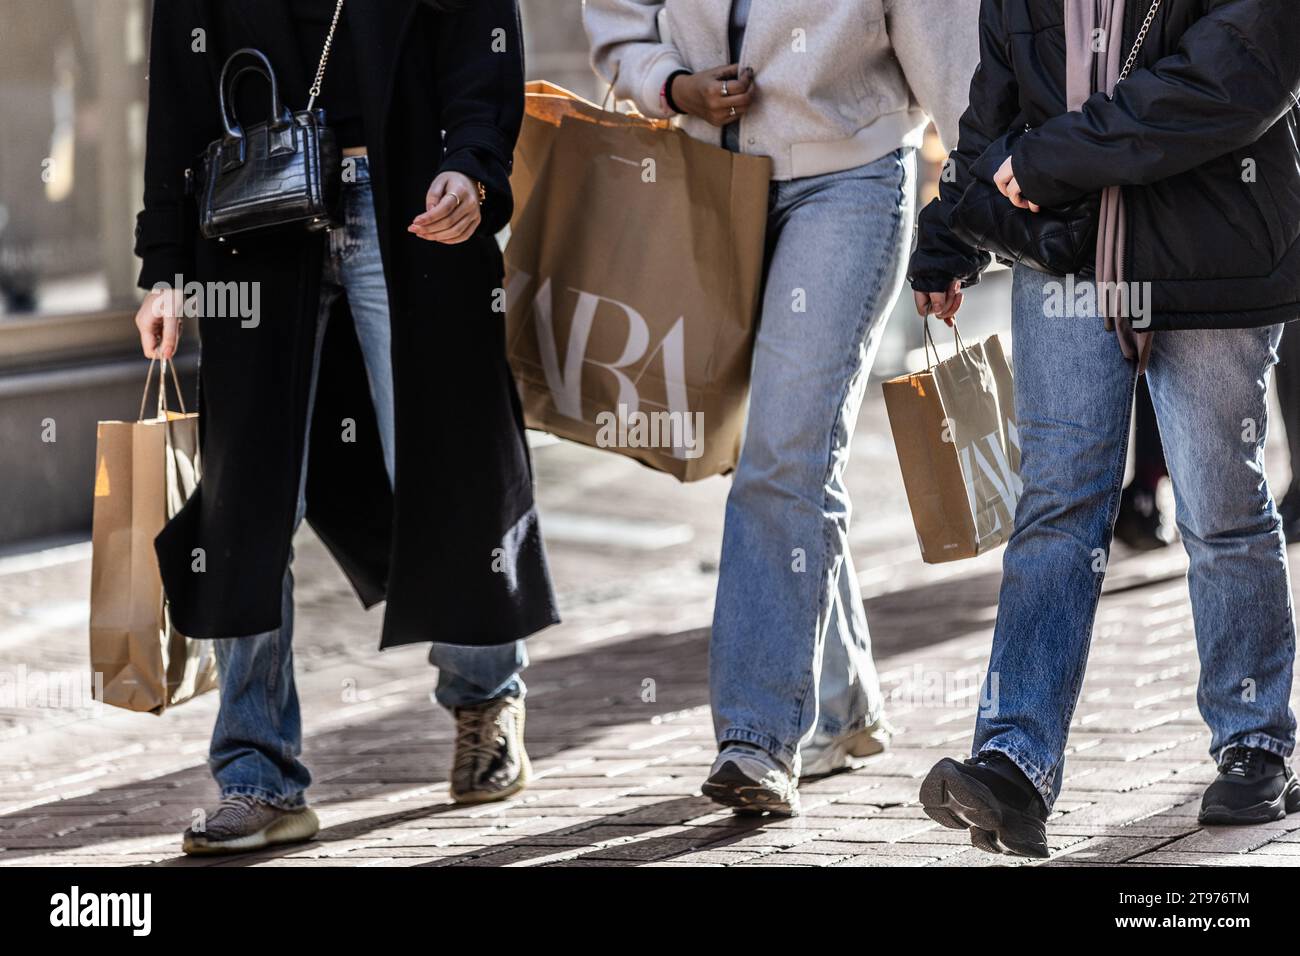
[
  {"x": 325, "y": 55},
  {"x": 1137, "y": 45}
]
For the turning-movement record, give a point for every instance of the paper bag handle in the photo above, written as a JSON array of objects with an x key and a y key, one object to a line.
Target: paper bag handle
[
  {"x": 162, "y": 388},
  {"x": 605, "y": 104},
  {"x": 930, "y": 346}
]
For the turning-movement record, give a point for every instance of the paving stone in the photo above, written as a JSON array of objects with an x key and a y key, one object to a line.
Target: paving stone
[
  {"x": 617, "y": 777},
  {"x": 1221, "y": 840}
]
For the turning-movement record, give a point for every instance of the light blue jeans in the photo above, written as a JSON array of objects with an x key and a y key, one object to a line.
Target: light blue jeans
[
  {"x": 790, "y": 660},
  {"x": 1074, "y": 393},
  {"x": 257, "y": 740}
]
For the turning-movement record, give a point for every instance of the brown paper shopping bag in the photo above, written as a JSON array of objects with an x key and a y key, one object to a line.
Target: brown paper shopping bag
[
  {"x": 633, "y": 274},
  {"x": 954, "y": 428},
  {"x": 144, "y": 472},
  {"x": 547, "y": 105}
]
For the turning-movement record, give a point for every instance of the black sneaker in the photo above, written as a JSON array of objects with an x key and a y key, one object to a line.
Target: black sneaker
[
  {"x": 992, "y": 798},
  {"x": 1253, "y": 786}
]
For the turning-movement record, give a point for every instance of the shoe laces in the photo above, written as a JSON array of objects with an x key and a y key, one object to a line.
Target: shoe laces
[
  {"x": 234, "y": 809},
  {"x": 480, "y": 734},
  {"x": 1238, "y": 761}
]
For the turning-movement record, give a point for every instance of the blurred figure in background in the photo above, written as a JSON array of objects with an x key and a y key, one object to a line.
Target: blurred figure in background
[{"x": 1141, "y": 524}]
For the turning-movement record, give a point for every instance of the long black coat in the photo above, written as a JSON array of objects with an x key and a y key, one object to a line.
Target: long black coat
[
  {"x": 455, "y": 546},
  {"x": 1202, "y": 136}
]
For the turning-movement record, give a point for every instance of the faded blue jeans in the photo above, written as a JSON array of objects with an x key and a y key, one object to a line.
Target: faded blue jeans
[
  {"x": 1074, "y": 393},
  {"x": 257, "y": 740},
  {"x": 790, "y": 660}
]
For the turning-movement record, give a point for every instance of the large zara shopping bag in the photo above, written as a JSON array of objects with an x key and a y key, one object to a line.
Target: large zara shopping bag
[
  {"x": 145, "y": 471},
  {"x": 633, "y": 275},
  {"x": 954, "y": 427}
]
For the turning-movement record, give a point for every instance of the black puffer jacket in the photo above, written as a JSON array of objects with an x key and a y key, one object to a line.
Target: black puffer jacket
[{"x": 1202, "y": 135}]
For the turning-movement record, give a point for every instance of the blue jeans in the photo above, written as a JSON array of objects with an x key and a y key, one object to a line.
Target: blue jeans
[
  {"x": 1074, "y": 393},
  {"x": 790, "y": 660},
  {"x": 257, "y": 740}
]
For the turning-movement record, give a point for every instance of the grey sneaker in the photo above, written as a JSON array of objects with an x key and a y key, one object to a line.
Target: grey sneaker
[
  {"x": 750, "y": 780},
  {"x": 845, "y": 753},
  {"x": 490, "y": 762},
  {"x": 242, "y": 823}
]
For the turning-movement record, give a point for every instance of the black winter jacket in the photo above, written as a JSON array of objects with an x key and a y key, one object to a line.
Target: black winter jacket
[{"x": 1202, "y": 136}]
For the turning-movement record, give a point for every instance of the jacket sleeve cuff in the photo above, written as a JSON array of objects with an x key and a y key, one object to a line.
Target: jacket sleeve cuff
[
  {"x": 648, "y": 98},
  {"x": 939, "y": 282},
  {"x": 164, "y": 244},
  {"x": 1036, "y": 183},
  {"x": 163, "y": 265}
]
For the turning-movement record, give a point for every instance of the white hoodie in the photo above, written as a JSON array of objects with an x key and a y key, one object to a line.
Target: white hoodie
[{"x": 840, "y": 82}]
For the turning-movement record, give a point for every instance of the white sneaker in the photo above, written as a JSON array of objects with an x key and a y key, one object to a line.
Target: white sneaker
[
  {"x": 847, "y": 752},
  {"x": 750, "y": 780}
]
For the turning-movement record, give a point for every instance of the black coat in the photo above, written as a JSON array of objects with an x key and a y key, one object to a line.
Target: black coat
[
  {"x": 455, "y": 547},
  {"x": 1202, "y": 136}
]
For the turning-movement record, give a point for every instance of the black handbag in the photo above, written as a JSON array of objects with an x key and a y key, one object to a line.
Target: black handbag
[
  {"x": 286, "y": 171},
  {"x": 1060, "y": 241}
]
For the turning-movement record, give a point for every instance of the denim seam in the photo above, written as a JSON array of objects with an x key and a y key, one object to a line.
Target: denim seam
[
  {"x": 1041, "y": 779},
  {"x": 785, "y": 754},
  {"x": 265, "y": 796},
  {"x": 1259, "y": 741},
  {"x": 837, "y": 729}
]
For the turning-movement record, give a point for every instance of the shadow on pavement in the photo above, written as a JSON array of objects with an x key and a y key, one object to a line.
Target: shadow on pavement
[{"x": 576, "y": 698}]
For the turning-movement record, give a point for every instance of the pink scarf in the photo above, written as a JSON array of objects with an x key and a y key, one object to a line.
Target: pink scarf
[{"x": 1087, "y": 72}]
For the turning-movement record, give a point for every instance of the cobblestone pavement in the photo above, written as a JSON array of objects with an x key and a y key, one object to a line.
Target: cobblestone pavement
[{"x": 618, "y": 723}]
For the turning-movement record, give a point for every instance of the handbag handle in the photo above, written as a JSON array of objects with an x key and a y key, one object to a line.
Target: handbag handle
[
  {"x": 280, "y": 115},
  {"x": 324, "y": 57}
]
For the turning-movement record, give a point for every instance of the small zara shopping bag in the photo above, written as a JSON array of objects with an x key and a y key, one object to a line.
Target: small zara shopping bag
[
  {"x": 145, "y": 471},
  {"x": 954, "y": 426}
]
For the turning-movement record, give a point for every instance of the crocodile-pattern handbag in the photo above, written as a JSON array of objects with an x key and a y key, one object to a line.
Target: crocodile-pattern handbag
[{"x": 285, "y": 171}]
